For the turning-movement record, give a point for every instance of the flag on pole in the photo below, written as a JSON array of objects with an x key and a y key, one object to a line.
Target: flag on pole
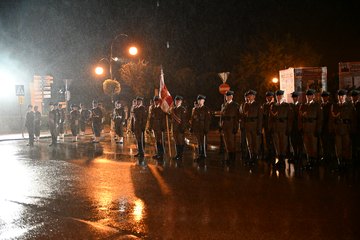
[{"x": 164, "y": 94}]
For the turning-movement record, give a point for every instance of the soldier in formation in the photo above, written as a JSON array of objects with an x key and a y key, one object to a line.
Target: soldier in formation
[
  {"x": 37, "y": 123},
  {"x": 157, "y": 125},
  {"x": 118, "y": 117},
  {"x": 29, "y": 124},
  {"x": 74, "y": 122},
  {"x": 179, "y": 122},
  {"x": 140, "y": 117}
]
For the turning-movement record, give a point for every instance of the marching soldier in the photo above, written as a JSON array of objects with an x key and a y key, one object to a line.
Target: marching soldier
[
  {"x": 343, "y": 123},
  {"x": 200, "y": 124},
  {"x": 84, "y": 118},
  {"x": 310, "y": 120},
  {"x": 179, "y": 121},
  {"x": 61, "y": 112},
  {"x": 268, "y": 146},
  {"x": 140, "y": 117},
  {"x": 157, "y": 125},
  {"x": 74, "y": 121},
  {"x": 29, "y": 124},
  {"x": 355, "y": 136},
  {"x": 37, "y": 123},
  {"x": 280, "y": 124},
  {"x": 96, "y": 119},
  {"x": 119, "y": 118},
  {"x": 230, "y": 116},
  {"x": 327, "y": 140},
  {"x": 253, "y": 116},
  {"x": 243, "y": 145},
  {"x": 52, "y": 121},
  {"x": 295, "y": 136}
]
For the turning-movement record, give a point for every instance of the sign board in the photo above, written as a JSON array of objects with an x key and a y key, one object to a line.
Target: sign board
[
  {"x": 19, "y": 90},
  {"x": 349, "y": 75},
  {"x": 21, "y": 100},
  {"x": 223, "y": 88}
]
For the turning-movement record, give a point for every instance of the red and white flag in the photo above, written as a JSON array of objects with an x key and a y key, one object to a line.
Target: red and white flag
[{"x": 164, "y": 94}]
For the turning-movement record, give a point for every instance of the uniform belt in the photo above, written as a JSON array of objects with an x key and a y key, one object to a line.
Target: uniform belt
[{"x": 344, "y": 121}]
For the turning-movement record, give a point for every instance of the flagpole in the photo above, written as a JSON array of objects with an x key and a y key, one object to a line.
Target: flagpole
[{"x": 168, "y": 134}]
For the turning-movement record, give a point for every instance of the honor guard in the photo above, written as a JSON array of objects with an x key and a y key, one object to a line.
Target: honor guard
[
  {"x": 179, "y": 122},
  {"x": 96, "y": 119},
  {"x": 295, "y": 136},
  {"x": 200, "y": 124},
  {"x": 140, "y": 117},
  {"x": 280, "y": 124},
  {"x": 84, "y": 118},
  {"x": 343, "y": 121},
  {"x": 52, "y": 122},
  {"x": 310, "y": 124},
  {"x": 230, "y": 116},
  {"x": 37, "y": 123},
  {"x": 29, "y": 124},
  {"x": 118, "y": 116},
  {"x": 243, "y": 145},
  {"x": 268, "y": 146},
  {"x": 253, "y": 116},
  {"x": 327, "y": 139},
  {"x": 157, "y": 124},
  {"x": 74, "y": 121},
  {"x": 61, "y": 129}
]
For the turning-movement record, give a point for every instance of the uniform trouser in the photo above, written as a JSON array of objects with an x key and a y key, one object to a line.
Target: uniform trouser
[
  {"x": 54, "y": 134},
  {"x": 343, "y": 147},
  {"x": 297, "y": 143},
  {"x": 82, "y": 126},
  {"x": 229, "y": 140},
  {"x": 159, "y": 142},
  {"x": 268, "y": 143},
  {"x": 37, "y": 130},
  {"x": 139, "y": 135},
  {"x": 327, "y": 144},
  {"x": 31, "y": 136},
  {"x": 244, "y": 149},
  {"x": 201, "y": 138},
  {"x": 310, "y": 144},
  {"x": 96, "y": 126},
  {"x": 280, "y": 142},
  {"x": 119, "y": 128},
  {"x": 61, "y": 128},
  {"x": 74, "y": 129},
  {"x": 179, "y": 137},
  {"x": 253, "y": 142}
]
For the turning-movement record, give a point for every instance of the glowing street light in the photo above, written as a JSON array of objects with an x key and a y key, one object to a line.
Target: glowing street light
[
  {"x": 99, "y": 70},
  {"x": 133, "y": 51},
  {"x": 275, "y": 80}
]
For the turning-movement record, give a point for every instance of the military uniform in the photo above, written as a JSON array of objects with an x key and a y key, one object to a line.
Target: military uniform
[
  {"x": 61, "y": 112},
  {"x": 52, "y": 122},
  {"x": 96, "y": 119},
  {"x": 355, "y": 136},
  {"x": 327, "y": 139},
  {"x": 296, "y": 140},
  {"x": 343, "y": 123},
  {"x": 74, "y": 122},
  {"x": 230, "y": 116},
  {"x": 37, "y": 123},
  {"x": 280, "y": 124},
  {"x": 200, "y": 125},
  {"x": 243, "y": 145},
  {"x": 310, "y": 124},
  {"x": 253, "y": 116},
  {"x": 29, "y": 124},
  {"x": 118, "y": 117},
  {"x": 157, "y": 123},
  {"x": 84, "y": 118},
  {"x": 140, "y": 119},
  {"x": 179, "y": 123},
  {"x": 267, "y": 146}
]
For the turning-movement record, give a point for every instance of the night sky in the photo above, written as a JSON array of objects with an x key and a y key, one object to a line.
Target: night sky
[{"x": 67, "y": 38}]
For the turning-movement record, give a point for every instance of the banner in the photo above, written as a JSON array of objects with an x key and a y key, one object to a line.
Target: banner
[{"x": 164, "y": 94}]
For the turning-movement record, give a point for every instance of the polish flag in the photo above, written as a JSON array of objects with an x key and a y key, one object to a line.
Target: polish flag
[{"x": 166, "y": 99}]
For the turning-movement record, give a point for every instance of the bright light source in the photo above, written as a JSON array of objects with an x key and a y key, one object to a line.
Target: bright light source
[
  {"x": 116, "y": 59},
  {"x": 7, "y": 83},
  {"x": 133, "y": 51},
  {"x": 99, "y": 70},
  {"x": 275, "y": 80}
]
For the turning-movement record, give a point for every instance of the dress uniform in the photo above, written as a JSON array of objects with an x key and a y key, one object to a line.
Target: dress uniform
[
  {"x": 327, "y": 139},
  {"x": 61, "y": 122},
  {"x": 29, "y": 124},
  {"x": 310, "y": 124},
  {"x": 200, "y": 125},
  {"x": 84, "y": 118},
  {"x": 253, "y": 116},
  {"x": 157, "y": 124},
  {"x": 355, "y": 136},
  {"x": 343, "y": 123},
  {"x": 179, "y": 122},
  {"x": 296, "y": 140},
  {"x": 243, "y": 145},
  {"x": 280, "y": 124},
  {"x": 96, "y": 119},
  {"x": 140, "y": 119},
  {"x": 74, "y": 122},
  {"x": 230, "y": 116},
  {"x": 268, "y": 146},
  {"x": 37, "y": 123},
  {"x": 118, "y": 117},
  {"x": 52, "y": 121}
]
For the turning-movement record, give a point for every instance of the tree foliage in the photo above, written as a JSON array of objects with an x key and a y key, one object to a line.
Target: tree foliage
[{"x": 111, "y": 87}]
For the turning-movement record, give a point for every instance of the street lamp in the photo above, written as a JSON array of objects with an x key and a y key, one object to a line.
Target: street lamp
[{"x": 275, "y": 80}]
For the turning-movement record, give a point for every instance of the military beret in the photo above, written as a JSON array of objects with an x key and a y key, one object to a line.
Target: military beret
[
  {"x": 268, "y": 94},
  {"x": 229, "y": 93},
  {"x": 279, "y": 92},
  {"x": 341, "y": 92},
  {"x": 310, "y": 92},
  {"x": 178, "y": 97},
  {"x": 201, "y": 97},
  {"x": 250, "y": 92},
  {"x": 325, "y": 94},
  {"x": 355, "y": 92},
  {"x": 139, "y": 98},
  {"x": 294, "y": 94},
  {"x": 156, "y": 98}
]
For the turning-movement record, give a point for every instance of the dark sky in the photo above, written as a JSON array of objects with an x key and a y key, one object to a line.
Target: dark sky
[{"x": 66, "y": 38}]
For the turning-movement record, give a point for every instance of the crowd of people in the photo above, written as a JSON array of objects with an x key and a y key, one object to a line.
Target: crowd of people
[{"x": 305, "y": 133}]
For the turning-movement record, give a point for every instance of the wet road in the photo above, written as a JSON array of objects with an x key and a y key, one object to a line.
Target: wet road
[{"x": 100, "y": 191}]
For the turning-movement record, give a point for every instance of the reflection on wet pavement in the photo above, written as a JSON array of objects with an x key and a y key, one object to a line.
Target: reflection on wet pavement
[{"x": 98, "y": 191}]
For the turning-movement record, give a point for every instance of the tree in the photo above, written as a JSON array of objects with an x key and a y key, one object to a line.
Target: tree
[
  {"x": 111, "y": 88},
  {"x": 264, "y": 56}
]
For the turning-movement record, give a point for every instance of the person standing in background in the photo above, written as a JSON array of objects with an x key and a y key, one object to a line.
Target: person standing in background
[
  {"x": 37, "y": 123},
  {"x": 29, "y": 124}
]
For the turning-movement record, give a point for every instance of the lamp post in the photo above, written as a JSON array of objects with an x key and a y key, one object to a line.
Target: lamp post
[{"x": 111, "y": 51}]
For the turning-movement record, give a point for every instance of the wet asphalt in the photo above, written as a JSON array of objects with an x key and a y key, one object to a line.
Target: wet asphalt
[{"x": 101, "y": 191}]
